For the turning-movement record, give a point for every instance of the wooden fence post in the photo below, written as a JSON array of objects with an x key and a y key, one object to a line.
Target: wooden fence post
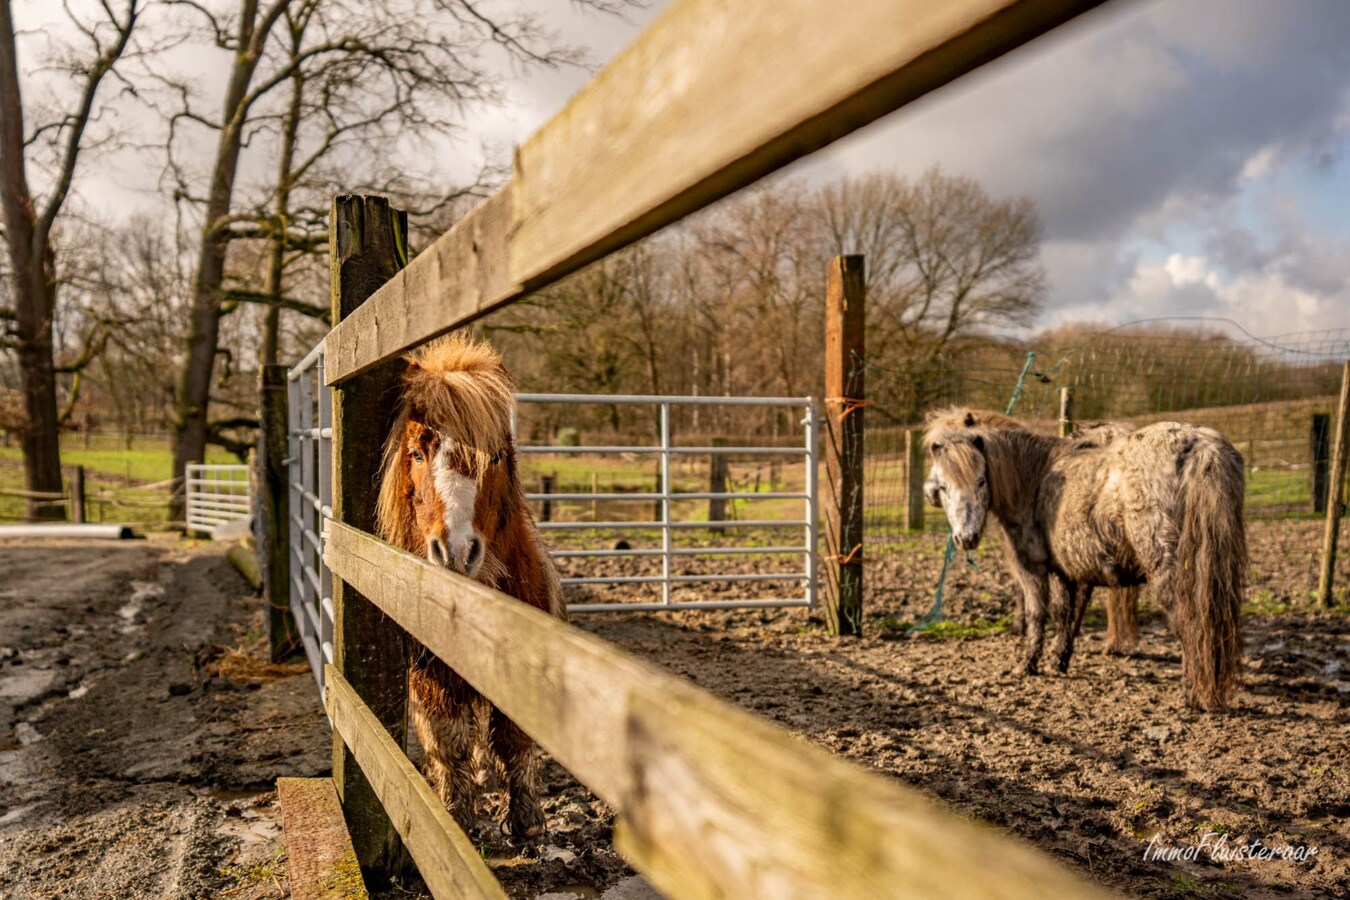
[
  {"x": 273, "y": 515},
  {"x": 367, "y": 243},
  {"x": 77, "y": 494},
  {"x": 1320, "y": 449},
  {"x": 845, "y": 323},
  {"x": 914, "y": 475},
  {"x": 1335, "y": 506},
  {"x": 546, "y": 483},
  {"x": 1065, "y": 411},
  {"x": 717, "y": 484}
]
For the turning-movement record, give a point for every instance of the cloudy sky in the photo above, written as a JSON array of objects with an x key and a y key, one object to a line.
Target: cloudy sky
[{"x": 1189, "y": 157}]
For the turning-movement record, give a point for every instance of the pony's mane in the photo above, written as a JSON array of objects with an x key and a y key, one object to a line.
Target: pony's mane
[
  {"x": 1013, "y": 455},
  {"x": 958, "y": 417},
  {"x": 459, "y": 387}
]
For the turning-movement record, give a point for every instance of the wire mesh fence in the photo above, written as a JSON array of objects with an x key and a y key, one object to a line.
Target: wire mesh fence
[{"x": 1274, "y": 398}]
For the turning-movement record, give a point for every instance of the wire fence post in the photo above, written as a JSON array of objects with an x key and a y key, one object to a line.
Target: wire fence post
[
  {"x": 1335, "y": 504},
  {"x": 914, "y": 475},
  {"x": 845, "y": 325},
  {"x": 1065, "y": 411},
  {"x": 1319, "y": 441},
  {"x": 366, "y": 238},
  {"x": 77, "y": 493}
]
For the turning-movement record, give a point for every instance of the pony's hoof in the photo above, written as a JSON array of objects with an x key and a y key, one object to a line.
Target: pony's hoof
[
  {"x": 525, "y": 823},
  {"x": 465, "y": 817},
  {"x": 1062, "y": 665},
  {"x": 1030, "y": 668}
]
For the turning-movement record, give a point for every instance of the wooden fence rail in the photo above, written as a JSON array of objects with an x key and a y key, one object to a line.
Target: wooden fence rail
[{"x": 711, "y": 800}]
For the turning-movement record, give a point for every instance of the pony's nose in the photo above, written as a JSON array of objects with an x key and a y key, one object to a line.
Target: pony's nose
[
  {"x": 438, "y": 551},
  {"x": 475, "y": 554}
]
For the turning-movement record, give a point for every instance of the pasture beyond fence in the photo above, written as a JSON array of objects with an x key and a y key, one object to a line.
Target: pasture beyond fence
[
  {"x": 710, "y": 800},
  {"x": 1276, "y": 399}
]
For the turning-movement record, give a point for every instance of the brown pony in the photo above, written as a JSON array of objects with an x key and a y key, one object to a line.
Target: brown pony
[
  {"x": 1161, "y": 505},
  {"x": 450, "y": 492},
  {"x": 1122, "y": 603}
]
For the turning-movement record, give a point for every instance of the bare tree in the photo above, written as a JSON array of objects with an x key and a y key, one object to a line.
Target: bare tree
[
  {"x": 945, "y": 261},
  {"x": 29, "y": 222},
  {"x": 397, "y": 62}
]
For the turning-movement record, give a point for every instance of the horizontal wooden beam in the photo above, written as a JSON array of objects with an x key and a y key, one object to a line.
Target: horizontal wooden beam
[
  {"x": 710, "y": 98},
  {"x": 445, "y": 857},
  {"x": 712, "y": 800}
]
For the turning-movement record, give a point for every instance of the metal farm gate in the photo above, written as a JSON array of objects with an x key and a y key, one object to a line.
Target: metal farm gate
[
  {"x": 216, "y": 495},
  {"x": 667, "y": 523},
  {"x": 309, "y": 459}
]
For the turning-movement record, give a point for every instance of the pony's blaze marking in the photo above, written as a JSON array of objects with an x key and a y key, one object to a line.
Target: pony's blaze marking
[{"x": 463, "y": 545}]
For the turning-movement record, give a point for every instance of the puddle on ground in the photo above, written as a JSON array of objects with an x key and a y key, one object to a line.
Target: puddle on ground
[
  {"x": 571, "y": 892},
  {"x": 16, "y": 814},
  {"x": 130, "y": 612},
  {"x": 26, "y": 683}
]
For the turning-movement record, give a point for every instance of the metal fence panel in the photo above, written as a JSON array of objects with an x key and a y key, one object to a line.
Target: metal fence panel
[
  {"x": 665, "y": 522},
  {"x": 217, "y": 495},
  {"x": 310, "y": 432}
]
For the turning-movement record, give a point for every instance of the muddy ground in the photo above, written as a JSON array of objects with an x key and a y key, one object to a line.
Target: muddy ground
[{"x": 152, "y": 781}]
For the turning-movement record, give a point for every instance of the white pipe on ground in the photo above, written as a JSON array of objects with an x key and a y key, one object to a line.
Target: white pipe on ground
[{"x": 65, "y": 530}]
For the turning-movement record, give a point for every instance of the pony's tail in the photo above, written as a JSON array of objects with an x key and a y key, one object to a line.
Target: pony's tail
[{"x": 1211, "y": 568}]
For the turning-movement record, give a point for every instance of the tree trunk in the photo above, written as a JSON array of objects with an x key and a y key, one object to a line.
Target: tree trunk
[
  {"x": 33, "y": 285},
  {"x": 41, "y": 437},
  {"x": 193, "y": 396}
]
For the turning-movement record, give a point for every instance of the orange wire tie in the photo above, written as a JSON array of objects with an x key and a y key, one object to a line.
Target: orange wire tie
[
  {"x": 854, "y": 556},
  {"x": 847, "y": 405}
]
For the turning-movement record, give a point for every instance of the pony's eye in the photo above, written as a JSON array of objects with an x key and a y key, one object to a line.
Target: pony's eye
[
  {"x": 496, "y": 457},
  {"x": 982, "y": 482},
  {"x": 417, "y": 456}
]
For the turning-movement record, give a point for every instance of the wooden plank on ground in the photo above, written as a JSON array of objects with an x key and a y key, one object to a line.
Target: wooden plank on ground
[
  {"x": 710, "y": 98},
  {"x": 321, "y": 864},
  {"x": 713, "y": 801},
  {"x": 445, "y": 857}
]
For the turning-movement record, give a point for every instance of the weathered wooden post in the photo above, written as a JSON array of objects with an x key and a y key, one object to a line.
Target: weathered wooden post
[
  {"x": 1065, "y": 411},
  {"x": 546, "y": 483},
  {"x": 845, "y": 323},
  {"x": 272, "y": 503},
  {"x": 1336, "y": 505},
  {"x": 717, "y": 484},
  {"x": 914, "y": 475},
  {"x": 77, "y": 494},
  {"x": 1320, "y": 450},
  {"x": 367, "y": 243}
]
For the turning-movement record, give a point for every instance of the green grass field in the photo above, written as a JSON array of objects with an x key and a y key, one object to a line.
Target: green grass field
[
  {"x": 113, "y": 472},
  {"x": 115, "y": 467}
]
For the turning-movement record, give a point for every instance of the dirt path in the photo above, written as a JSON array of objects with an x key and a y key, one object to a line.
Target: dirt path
[
  {"x": 132, "y": 766},
  {"x": 128, "y": 768}
]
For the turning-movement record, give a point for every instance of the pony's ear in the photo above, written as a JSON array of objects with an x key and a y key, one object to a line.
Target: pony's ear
[
  {"x": 970, "y": 419},
  {"x": 978, "y": 441}
]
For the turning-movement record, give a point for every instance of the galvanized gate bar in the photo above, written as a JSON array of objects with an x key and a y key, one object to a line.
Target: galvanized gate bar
[
  {"x": 310, "y": 434},
  {"x": 667, "y": 496}
]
